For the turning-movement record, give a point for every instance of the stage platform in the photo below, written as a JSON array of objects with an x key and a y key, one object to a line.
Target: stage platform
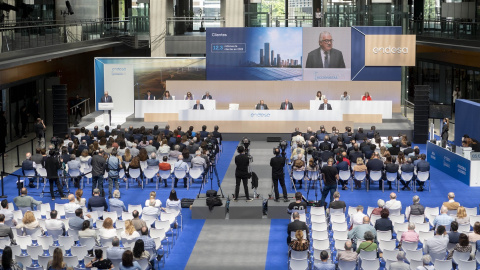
[
  {"x": 261, "y": 131},
  {"x": 200, "y": 209},
  {"x": 278, "y": 210}
]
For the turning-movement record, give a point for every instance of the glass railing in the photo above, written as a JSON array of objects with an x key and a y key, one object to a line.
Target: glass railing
[
  {"x": 443, "y": 28},
  {"x": 346, "y": 20},
  {"x": 179, "y": 26},
  {"x": 27, "y": 35}
]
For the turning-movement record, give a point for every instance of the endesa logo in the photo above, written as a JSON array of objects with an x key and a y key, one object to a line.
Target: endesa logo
[
  {"x": 390, "y": 50},
  {"x": 119, "y": 71},
  {"x": 259, "y": 115}
]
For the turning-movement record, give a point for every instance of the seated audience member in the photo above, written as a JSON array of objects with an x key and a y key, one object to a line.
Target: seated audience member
[
  {"x": 139, "y": 251},
  {"x": 422, "y": 166},
  {"x": 427, "y": 261},
  {"x": 181, "y": 165},
  {"x": 153, "y": 196},
  {"x": 29, "y": 222},
  {"x": 153, "y": 161},
  {"x": 475, "y": 235},
  {"x": 165, "y": 166},
  {"x": 463, "y": 245},
  {"x": 378, "y": 210},
  {"x": 99, "y": 262},
  {"x": 115, "y": 252},
  {"x": 451, "y": 204},
  {"x": 172, "y": 202},
  {"x": 97, "y": 201},
  {"x": 462, "y": 217},
  {"x": 391, "y": 167},
  {"x": 443, "y": 219},
  {"x": 24, "y": 200},
  {"x": 129, "y": 233},
  {"x": 324, "y": 263},
  {"x": 295, "y": 226},
  {"x": 151, "y": 209},
  {"x": 375, "y": 164},
  {"x": 337, "y": 204},
  {"x": 357, "y": 218},
  {"x": 453, "y": 234},
  {"x": 87, "y": 231},
  {"x": 348, "y": 254},
  {"x": 29, "y": 165},
  {"x": 128, "y": 263},
  {"x": 78, "y": 198},
  {"x": 300, "y": 243},
  {"x": 358, "y": 232},
  {"x": 116, "y": 202},
  {"x": 368, "y": 244},
  {"x": 76, "y": 222},
  {"x": 6, "y": 230},
  {"x": 137, "y": 222},
  {"x": 411, "y": 235},
  {"x": 57, "y": 262},
  {"x": 298, "y": 204},
  {"x": 416, "y": 209},
  {"x": 359, "y": 167},
  {"x": 8, "y": 261},
  {"x": 400, "y": 263},
  {"x": 393, "y": 203},
  {"x": 437, "y": 244},
  {"x": 149, "y": 243},
  {"x": 8, "y": 213},
  {"x": 53, "y": 223},
  {"x": 72, "y": 205},
  {"x": 383, "y": 223},
  {"x": 107, "y": 230}
]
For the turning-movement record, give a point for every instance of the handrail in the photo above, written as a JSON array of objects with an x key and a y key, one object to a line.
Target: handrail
[
  {"x": 59, "y": 25},
  {"x": 85, "y": 102}
]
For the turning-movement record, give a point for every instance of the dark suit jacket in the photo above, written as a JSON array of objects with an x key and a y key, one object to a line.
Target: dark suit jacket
[
  {"x": 295, "y": 226},
  {"x": 290, "y": 106},
  {"x": 322, "y": 106},
  {"x": 374, "y": 165},
  {"x": 314, "y": 59},
  {"x": 242, "y": 162},
  {"x": 108, "y": 99},
  {"x": 97, "y": 201},
  {"x": 277, "y": 163},
  {"x": 394, "y": 150},
  {"x": 265, "y": 107},
  {"x": 195, "y": 107},
  {"x": 207, "y": 97},
  {"x": 152, "y": 97},
  {"x": 383, "y": 224}
]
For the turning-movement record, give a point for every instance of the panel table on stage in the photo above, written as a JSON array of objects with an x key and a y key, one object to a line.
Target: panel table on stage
[
  {"x": 168, "y": 106},
  {"x": 355, "y": 107},
  {"x": 259, "y": 115}
]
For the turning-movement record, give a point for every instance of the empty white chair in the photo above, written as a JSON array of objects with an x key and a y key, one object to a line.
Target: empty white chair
[
  {"x": 417, "y": 218},
  {"x": 370, "y": 264},
  {"x": 16, "y": 250},
  {"x": 339, "y": 226},
  {"x": 319, "y": 226},
  {"x": 422, "y": 236},
  {"x": 321, "y": 244},
  {"x": 338, "y": 218},
  {"x": 25, "y": 260},
  {"x": 72, "y": 233},
  {"x": 127, "y": 215},
  {"x": 298, "y": 264},
  {"x": 443, "y": 265},
  {"x": 317, "y": 211},
  {"x": 79, "y": 251},
  {"x": 422, "y": 227},
  {"x": 34, "y": 251},
  {"x": 460, "y": 256},
  {"x": 474, "y": 219},
  {"x": 414, "y": 255},
  {"x": 66, "y": 241},
  {"x": 471, "y": 211},
  {"x": 342, "y": 234},
  {"x": 112, "y": 215},
  {"x": 317, "y": 219},
  {"x": 24, "y": 241},
  {"x": 60, "y": 209},
  {"x": 88, "y": 242},
  {"x": 409, "y": 245},
  {"x": 45, "y": 241},
  {"x": 465, "y": 228},
  {"x": 106, "y": 242},
  {"x": 319, "y": 235},
  {"x": 466, "y": 265},
  {"x": 71, "y": 261},
  {"x": 387, "y": 244},
  {"x": 414, "y": 263}
]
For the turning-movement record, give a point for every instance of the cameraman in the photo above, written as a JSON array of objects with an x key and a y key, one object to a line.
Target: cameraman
[
  {"x": 52, "y": 165},
  {"x": 278, "y": 176},
  {"x": 241, "y": 172}
]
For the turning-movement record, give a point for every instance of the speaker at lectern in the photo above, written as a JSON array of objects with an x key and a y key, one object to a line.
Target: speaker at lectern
[{"x": 106, "y": 107}]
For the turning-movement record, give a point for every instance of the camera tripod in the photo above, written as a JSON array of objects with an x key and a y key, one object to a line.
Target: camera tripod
[{"x": 211, "y": 170}]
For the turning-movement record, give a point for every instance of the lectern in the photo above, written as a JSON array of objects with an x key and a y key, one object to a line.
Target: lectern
[{"x": 106, "y": 107}]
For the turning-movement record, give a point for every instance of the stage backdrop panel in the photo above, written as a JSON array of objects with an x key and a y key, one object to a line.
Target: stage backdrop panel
[
  {"x": 465, "y": 113},
  {"x": 249, "y": 93},
  {"x": 119, "y": 84}
]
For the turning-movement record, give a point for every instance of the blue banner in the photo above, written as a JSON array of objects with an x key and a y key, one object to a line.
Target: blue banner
[{"x": 450, "y": 163}]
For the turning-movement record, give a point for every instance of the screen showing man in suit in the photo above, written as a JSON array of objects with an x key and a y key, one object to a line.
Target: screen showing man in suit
[{"x": 325, "y": 56}]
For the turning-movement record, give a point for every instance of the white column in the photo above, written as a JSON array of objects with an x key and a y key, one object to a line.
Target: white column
[
  {"x": 160, "y": 10},
  {"x": 233, "y": 12}
]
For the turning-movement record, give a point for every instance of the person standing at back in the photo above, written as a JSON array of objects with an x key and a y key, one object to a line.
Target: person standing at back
[
  {"x": 278, "y": 175},
  {"x": 241, "y": 172}
]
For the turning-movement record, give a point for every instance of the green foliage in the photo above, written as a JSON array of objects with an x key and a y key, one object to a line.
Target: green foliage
[{"x": 278, "y": 7}]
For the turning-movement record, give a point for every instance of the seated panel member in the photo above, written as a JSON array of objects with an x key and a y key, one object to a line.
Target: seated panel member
[
  {"x": 286, "y": 105},
  {"x": 345, "y": 96},
  {"x": 319, "y": 96},
  {"x": 261, "y": 106},
  {"x": 325, "y": 105},
  {"x": 189, "y": 96},
  {"x": 207, "y": 96},
  {"x": 149, "y": 96},
  {"x": 167, "y": 96},
  {"x": 366, "y": 96},
  {"x": 198, "y": 106}
]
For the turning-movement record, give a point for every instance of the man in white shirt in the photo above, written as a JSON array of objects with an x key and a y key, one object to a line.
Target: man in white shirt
[
  {"x": 8, "y": 213},
  {"x": 71, "y": 206},
  {"x": 357, "y": 218},
  {"x": 393, "y": 203},
  {"x": 53, "y": 223},
  {"x": 151, "y": 209}
]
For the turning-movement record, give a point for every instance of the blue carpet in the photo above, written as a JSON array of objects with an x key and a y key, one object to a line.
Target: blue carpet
[{"x": 277, "y": 245}]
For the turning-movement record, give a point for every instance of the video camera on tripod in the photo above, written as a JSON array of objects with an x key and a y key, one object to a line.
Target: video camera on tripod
[
  {"x": 246, "y": 143},
  {"x": 282, "y": 145}
]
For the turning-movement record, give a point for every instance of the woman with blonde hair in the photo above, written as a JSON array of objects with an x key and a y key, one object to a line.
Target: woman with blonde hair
[
  {"x": 300, "y": 243},
  {"x": 153, "y": 195},
  {"x": 29, "y": 222},
  {"x": 129, "y": 233},
  {"x": 78, "y": 197},
  {"x": 128, "y": 156},
  {"x": 359, "y": 167},
  {"x": 107, "y": 230},
  {"x": 85, "y": 157},
  {"x": 462, "y": 217}
]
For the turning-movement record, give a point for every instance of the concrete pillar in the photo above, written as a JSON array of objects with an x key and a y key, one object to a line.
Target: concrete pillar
[
  {"x": 160, "y": 10},
  {"x": 233, "y": 12}
]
